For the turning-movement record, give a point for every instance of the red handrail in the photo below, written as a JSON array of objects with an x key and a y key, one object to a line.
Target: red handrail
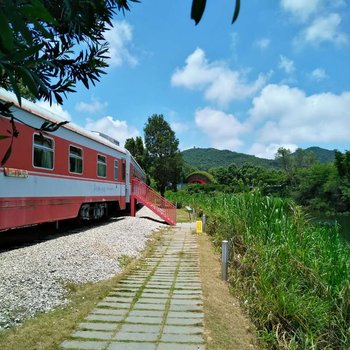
[{"x": 154, "y": 200}]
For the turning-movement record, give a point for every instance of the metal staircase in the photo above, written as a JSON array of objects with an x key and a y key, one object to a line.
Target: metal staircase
[{"x": 144, "y": 194}]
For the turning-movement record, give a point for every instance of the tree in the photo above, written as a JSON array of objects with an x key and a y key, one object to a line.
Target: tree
[
  {"x": 304, "y": 158},
  {"x": 342, "y": 163},
  {"x": 39, "y": 43},
  {"x": 47, "y": 46},
  {"x": 138, "y": 151},
  {"x": 164, "y": 155},
  {"x": 287, "y": 162}
]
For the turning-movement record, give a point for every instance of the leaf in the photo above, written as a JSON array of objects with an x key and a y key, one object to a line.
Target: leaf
[
  {"x": 7, "y": 155},
  {"x": 38, "y": 11},
  {"x": 28, "y": 80},
  {"x": 236, "y": 13},
  {"x": 3, "y": 137},
  {"x": 197, "y": 10},
  {"x": 6, "y": 36},
  {"x": 15, "y": 87},
  {"x": 51, "y": 126}
]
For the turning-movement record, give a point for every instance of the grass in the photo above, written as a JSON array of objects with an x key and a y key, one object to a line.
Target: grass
[
  {"x": 292, "y": 276},
  {"x": 47, "y": 330},
  {"x": 182, "y": 216}
]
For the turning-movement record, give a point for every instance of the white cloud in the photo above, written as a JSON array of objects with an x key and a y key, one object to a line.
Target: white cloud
[
  {"x": 119, "y": 38},
  {"x": 286, "y": 64},
  {"x": 222, "y": 129},
  {"x": 263, "y": 43},
  {"x": 285, "y": 115},
  {"x": 118, "y": 129},
  {"x": 324, "y": 29},
  {"x": 219, "y": 83},
  {"x": 179, "y": 127},
  {"x": 94, "y": 106},
  {"x": 56, "y": 109},
  {"x": 318, "y": 74},
  {"x": 301, "y": 9},
  {"x": 269, "y": 151}
]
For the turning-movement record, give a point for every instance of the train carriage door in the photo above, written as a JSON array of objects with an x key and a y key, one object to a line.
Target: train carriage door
[{"x": 127, "y": 178}]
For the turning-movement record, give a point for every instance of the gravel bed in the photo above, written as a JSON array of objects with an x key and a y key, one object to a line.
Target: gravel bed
[{"x": 32, "y": 278}]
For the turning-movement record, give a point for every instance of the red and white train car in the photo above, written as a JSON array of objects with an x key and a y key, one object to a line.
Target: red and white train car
[{"x": 55, "y": 176}]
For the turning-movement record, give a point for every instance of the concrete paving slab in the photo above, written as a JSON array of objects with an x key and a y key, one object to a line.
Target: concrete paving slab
[
  {"x": 156, "y": 294},
  {"x": 189, "y": 292},
  {"x": 131, "y": 346},
  {"x": 114, "y": 305},
  {"x": 115, "y": 312},
  {"x": 100, "y": 335},
  {"x": 83, "y": 345},
  {"x": 186, "y": 302},
  {"x": 158, "y": 287},
  {"x": 183, "y": 338},
  {"x": 104, "y": 318},
  {"x": 139, "y": 306},
  {"x": 98, "y": 326},
  {"x": 170, "y": 321},
  {"x": 142, "y": 337},
  {"x": 146, "y": 313},
  {"x": 118, "y": 299},
  {"x": 185, "y": 307},
  {"x": 160, "y": 301},
  {"x": 184, "y": 314},
  {"x": 142, "y": 328},
  {"x": 183, "y": 330},
  {"x": 144, "y": 320},
  {"x": 177, "y": 346},
  {"x": 175, "y": 264},
  {"x": 187, "y": 296}
]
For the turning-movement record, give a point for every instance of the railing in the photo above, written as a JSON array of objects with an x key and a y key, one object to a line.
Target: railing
[{"x": 154, "y": 201}]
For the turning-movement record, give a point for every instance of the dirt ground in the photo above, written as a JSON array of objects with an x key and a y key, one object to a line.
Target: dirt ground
[{"x": 226, "y": 326}]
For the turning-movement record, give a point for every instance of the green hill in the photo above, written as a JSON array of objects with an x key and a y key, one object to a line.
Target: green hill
[
  {"x": 206, "y": 158},
  {"x": 322, "y": 155}
]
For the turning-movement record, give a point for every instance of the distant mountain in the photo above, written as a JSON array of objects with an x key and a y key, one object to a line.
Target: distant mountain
[
  {"x": 206, "y": 158},
  {"x": 323, "y": 155}
]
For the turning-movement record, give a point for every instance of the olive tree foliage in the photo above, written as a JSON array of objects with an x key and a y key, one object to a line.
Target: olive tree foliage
[{"x": 165, "y": 160}]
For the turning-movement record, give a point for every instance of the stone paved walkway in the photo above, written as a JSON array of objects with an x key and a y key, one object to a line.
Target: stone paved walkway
[{"x": 157, "y": 308}]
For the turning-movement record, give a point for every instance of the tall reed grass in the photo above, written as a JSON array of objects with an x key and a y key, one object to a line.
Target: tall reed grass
[{"x": 293, "y": 276}]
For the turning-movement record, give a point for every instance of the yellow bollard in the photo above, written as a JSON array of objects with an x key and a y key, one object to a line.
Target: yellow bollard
[{"x": 199, "y": 228}]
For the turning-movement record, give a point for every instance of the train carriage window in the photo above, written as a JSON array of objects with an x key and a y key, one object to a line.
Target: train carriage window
[
  {"x": 115, "y": 169},
  {"x": 75, "y": 160},
  {"x": 101, "y": 166},
  {"x": 123, "y": 170},
  {"x": 43, "y": 152}
]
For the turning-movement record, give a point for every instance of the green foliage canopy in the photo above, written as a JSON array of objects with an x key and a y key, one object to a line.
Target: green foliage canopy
[
  {"x": 48, "y": 46},
  {"x": 138, "y": 151},
  {"x": 164, "y": 155}
]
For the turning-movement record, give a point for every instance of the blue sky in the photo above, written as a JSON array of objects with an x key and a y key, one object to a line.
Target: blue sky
[{"x": 278, "y": 77}]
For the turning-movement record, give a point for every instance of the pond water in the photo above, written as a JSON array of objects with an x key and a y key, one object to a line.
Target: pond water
[{"x": 342, "y": 220}]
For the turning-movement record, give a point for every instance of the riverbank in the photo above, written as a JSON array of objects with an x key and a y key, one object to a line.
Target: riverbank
[{"x": 290, "y": 275}]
